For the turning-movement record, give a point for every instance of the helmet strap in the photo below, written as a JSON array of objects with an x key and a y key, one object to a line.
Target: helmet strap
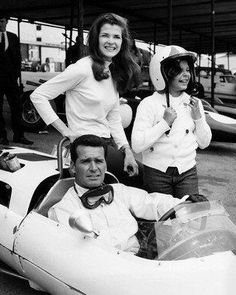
[
  {"x": 167, "y": 98},
  {"x": 168, "y": 105}
]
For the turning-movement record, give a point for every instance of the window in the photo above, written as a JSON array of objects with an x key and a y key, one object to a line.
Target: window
[
  {"x": 5, "y": 196},
  {"x": 222, "y": 79}
]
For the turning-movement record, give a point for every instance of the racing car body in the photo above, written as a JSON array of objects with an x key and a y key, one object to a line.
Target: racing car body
[{"x": 65, "y": 262}]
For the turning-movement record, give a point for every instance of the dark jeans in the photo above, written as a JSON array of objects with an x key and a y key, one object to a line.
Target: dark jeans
[
  {"x": 171, "y": 182},
  {"x": 9, "y": 87},
  {"x": 115, "y": 165}
]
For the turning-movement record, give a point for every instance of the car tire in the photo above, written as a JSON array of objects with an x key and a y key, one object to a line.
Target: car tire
[{"x": 31, "y": 119}]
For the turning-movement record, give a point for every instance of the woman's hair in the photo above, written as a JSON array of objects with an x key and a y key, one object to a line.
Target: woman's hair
[
  {"x": 124, "y": 70},
  {"x": 172, "y": 68}
]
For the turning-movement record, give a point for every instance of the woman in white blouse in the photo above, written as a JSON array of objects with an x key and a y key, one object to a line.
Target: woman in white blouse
[{"x": 92, "y": 87}]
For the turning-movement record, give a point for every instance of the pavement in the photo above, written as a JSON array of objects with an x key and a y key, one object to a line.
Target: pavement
[{"x": 217, "y": 180}]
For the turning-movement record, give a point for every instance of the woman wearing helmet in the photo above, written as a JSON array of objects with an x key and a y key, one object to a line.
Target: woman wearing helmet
[{"x": 170, "y": 125}]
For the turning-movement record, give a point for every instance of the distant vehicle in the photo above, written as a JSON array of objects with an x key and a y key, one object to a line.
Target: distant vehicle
[
  {"x": 32, "y": 66},
  {"x": 224, "y": 85}
]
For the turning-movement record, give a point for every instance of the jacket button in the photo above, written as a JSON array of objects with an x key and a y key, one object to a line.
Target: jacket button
[
  {"x": 151, "y": 149},
  {"x": 187, "y": 131}
]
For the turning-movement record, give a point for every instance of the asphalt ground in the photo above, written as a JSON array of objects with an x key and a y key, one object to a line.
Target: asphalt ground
[{"x": 217, "y": 180}]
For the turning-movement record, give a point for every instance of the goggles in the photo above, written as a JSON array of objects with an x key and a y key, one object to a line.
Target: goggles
[{"x": 93, "y": 198}]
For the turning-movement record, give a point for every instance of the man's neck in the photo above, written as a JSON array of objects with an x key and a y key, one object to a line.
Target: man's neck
[{"x": 80, "y": 190}]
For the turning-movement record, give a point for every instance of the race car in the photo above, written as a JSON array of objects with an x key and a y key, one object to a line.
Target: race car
[{"x": 191, "y": 250}]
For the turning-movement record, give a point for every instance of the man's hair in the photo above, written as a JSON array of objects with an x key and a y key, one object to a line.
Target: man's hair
[
  {"x": 3, "y": 14},
  {"x": 87, "y": 140}
]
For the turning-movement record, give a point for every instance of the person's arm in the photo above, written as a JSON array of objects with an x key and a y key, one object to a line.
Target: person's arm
[
  {"x": 118, "y": 134},
  {"x": 115, "y": 124},
  {"x": 145, "y": 133},
  {"x": 148, "y": 206},
  {"x": 65, "y": 131},
  {"x": 51, "y": 89},
  {"x": 202, "y": 130},
  {"x": 62, "y": 210}
]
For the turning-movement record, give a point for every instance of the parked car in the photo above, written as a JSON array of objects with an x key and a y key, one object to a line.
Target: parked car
[{"x": 224, "y": 85}]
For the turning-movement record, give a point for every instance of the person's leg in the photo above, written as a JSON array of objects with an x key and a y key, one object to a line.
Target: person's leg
[
  {"x": 157, "y": 181},
  {"x": 3, "y": 133},
  {"x": 186, "y": 183},
  {"x": 115, "y": 165},
  {"x": 13, "y": 97}
]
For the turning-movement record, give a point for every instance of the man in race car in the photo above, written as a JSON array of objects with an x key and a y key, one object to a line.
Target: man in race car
[{"x": 111, "y": 207}]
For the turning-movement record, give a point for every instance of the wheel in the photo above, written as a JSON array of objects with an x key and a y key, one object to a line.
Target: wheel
[
  {"x": 170, "y": 214},
  {"x": 31, "y": 120},
  {"x": 45, "y": 68}
]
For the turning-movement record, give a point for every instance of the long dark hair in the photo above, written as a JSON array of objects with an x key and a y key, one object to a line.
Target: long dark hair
[{"x": 124, "y": 70}]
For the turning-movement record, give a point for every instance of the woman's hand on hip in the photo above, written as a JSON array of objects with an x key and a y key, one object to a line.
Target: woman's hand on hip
[{"x": 64, "y": 130}]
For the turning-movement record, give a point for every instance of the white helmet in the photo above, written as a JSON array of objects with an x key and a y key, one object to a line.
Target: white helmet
[{"x": 163, "y": 55}]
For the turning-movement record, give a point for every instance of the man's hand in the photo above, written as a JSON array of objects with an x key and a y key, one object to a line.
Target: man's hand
[{"x": 197, "y": 198}]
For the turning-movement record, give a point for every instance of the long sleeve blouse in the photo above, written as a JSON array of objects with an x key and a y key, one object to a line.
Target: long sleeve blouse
[{"x": 91, "y": 106}]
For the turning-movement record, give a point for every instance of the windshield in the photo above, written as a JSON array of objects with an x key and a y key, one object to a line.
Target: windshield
[
  {"x": 230, "y": 79},
  {"x": 199, "y": 229}
]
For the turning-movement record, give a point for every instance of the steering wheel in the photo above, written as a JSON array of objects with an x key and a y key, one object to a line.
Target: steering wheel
[{"x": 170, "y": 214}]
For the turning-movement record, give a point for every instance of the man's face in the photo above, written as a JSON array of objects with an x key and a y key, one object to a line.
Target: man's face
[
  {"x": 3, "y": 24},
  {"x": 90, "y": 166}
]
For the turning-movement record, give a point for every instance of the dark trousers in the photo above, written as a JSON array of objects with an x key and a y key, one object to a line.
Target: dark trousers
[
  {"x": 171, "y": 182},
  {"x": 115, "y": 165},
  {"x": 9, "y": 87}
]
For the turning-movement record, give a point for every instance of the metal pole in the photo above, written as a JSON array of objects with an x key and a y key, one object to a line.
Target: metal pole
[
  {"x": 65, "y": 39},
  {"x": 18, "y": 32},
  {"x": 71, "y": 20},
  {"x": 154, "y": 38},
  {"x": 80, "y": 24},
  {"x": 200, "y": 58},
  {"x": 212, "y": 51},
  {"x": 170, "y": 18},
  {"x": 228, "y": 59},
  {"x": 180, "y": 37},
  {"x": 228, "y": 53}
]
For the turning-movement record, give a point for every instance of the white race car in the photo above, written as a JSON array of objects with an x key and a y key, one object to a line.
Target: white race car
[{"x": 192, "y": 253}]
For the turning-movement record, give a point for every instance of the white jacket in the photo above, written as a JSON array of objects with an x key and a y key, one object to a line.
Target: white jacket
[
  {"x": 92, "y": 107},
  {"x": 178, "y": 148},
  {"x": 115, "y": 223}
]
